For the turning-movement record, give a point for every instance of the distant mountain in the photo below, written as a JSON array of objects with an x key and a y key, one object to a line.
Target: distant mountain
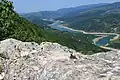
[
  {"x": 95, "y": 17},
  {"x": 105, "y": 18},
  {"x": 60, "y": 12}
]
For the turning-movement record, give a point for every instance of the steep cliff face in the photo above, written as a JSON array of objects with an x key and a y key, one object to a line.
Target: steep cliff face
[{"x": 51, "y": 61}]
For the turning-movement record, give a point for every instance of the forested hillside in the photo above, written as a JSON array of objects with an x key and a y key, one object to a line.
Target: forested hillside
[
  {"x": 105, "y": 18},
  {"x": 14, "y": 26},
  {"x": 106, "y": 23}
]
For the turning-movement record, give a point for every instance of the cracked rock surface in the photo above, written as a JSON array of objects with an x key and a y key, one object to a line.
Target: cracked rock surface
[{"x": 51, "y": 61}]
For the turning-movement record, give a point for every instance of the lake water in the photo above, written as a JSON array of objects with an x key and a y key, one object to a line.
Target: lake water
[{"x": 105, "y": 40}]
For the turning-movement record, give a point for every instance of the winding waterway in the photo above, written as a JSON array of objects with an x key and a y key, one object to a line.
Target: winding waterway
[{"x": 102, "y": 42}]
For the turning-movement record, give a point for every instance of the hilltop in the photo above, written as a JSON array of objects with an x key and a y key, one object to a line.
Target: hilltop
[{"x": 30, "y": 61}]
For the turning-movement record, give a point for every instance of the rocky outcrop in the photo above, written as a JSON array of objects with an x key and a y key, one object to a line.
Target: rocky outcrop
[{"x": 51, "y": 61}]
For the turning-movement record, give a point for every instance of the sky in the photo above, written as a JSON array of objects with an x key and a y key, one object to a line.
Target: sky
[{"x": 26, "y": 6}]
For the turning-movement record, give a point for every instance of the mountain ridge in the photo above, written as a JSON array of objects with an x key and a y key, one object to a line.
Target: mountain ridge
[{"x": 60, "y": 12}]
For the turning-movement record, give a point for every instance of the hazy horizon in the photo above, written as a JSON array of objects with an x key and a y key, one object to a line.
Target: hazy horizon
[{"x": 23, "y": 6}]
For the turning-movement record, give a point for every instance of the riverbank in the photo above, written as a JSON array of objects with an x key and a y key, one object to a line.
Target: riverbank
[
  {"x": 57, "y": 25},
  {"x": 98, "y": 38},
  {"x": 115, "y": 38}
]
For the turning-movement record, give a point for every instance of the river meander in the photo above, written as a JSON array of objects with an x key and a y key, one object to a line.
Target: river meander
[{"x": 101, "y": 42}]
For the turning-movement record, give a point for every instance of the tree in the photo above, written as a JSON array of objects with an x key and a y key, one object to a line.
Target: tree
[{"x": 6, "y": 14}]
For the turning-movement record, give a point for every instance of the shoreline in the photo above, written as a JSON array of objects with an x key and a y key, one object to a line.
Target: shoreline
[
  {"x": 98, "y": 39},
  {"x": 105, "y": 46},
  {"x": 102, "y": 35},
  {"x": 116, "y": 37}
]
